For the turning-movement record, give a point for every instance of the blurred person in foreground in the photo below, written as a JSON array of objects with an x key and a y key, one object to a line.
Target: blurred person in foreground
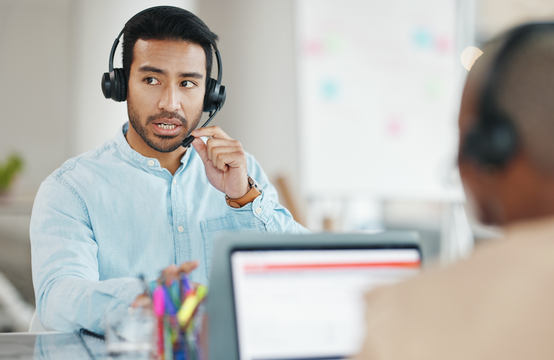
[
  {"x": 141, "y": 203},
  {"x": 498, "y": 304}
]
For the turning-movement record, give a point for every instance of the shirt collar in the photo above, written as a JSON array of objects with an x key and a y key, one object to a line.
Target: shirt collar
[{"x": 148, "y": 164}]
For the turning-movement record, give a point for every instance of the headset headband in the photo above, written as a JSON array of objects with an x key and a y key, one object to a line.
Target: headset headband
[
  {"x": 488, "y": 104},
  {"x": 493, "y": 140},
  {"x": 116, "y": 42},
  {"x": 112, "y": 53},
  {"x": 114, "y": 82}
]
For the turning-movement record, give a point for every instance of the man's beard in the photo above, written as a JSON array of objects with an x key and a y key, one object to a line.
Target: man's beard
[{"x": 160, "y": 143}]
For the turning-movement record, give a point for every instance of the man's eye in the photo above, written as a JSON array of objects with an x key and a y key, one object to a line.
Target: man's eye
[
  {"x": 187, "y": 84},
  {"x": 151, "y": 81}
]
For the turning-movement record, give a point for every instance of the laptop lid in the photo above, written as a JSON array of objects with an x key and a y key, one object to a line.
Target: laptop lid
[{"x": 299, "y": 296}]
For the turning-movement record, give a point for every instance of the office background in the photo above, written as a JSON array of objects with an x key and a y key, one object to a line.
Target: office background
[{"x": 52, "y": 55}]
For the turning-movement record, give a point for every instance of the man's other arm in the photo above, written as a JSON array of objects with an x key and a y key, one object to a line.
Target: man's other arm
[{"x": 68, "y": 292}]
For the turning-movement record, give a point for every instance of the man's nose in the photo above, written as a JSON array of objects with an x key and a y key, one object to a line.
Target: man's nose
[{"x": 170, "y": 99}]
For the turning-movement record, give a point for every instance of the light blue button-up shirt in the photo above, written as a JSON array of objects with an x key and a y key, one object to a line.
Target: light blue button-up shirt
[{"x": 111, "y": 214}]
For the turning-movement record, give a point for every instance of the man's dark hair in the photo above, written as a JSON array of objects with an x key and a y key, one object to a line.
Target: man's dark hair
[{"x": 167, "y": 23}]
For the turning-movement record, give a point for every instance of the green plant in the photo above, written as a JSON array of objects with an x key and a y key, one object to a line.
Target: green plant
[{"x": 8, "y": 170}]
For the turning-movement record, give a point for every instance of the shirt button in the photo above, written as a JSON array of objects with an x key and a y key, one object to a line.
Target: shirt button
[
  {"x": 151, "y": 162},
  {"x": 174, "y": 181},
  {"x": 258, "y": 210},
  {"x": 181, "y": 229}
]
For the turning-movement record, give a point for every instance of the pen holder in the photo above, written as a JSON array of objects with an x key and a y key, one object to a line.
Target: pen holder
[
  {"x": 130, "y": 335},
  {"x": 178, "y": 311}
]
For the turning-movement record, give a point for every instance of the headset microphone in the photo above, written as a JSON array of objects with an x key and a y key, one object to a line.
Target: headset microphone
[
  {"x": 189, "y": 139},
  {"x": 213, "y": 100}
]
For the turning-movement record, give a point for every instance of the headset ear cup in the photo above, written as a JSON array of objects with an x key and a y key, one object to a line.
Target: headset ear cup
[
  {"x": 504, "y": 142},
  {"x": 106, "y": 86},
  {"x": 222, "y": 96},
  {"x": 492, "y": 145},
  {"x": 209, "y": 95},
  {"x": 472, "y": 145},
  {"x": 119, "y": 92}
]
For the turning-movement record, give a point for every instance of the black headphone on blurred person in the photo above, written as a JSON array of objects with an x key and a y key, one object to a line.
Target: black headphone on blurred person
[
  {"x": 493, "y": 140},
  {"x": 114, "y": 82}
]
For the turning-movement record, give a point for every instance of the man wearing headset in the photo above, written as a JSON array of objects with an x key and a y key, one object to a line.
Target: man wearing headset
[
  {"x": 143, "y": 200},
  {"x": 498, "y": 304}
]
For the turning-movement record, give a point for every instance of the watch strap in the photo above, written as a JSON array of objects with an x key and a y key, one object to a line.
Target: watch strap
[{"x": 250, "y": 196}]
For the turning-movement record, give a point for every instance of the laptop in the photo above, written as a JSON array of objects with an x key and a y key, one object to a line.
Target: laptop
[{"x": 299, "y": 297}]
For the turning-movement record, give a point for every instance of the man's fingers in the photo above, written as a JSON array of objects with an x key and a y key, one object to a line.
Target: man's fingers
[
  {"x": 142, "y": 301},
  {"x": 172, "y": 272},
  {"x": 217, "y": 146},
  {"x": 225, "y": 158},
  {"x": 213, "y": 143},
  {"x": 211, "y": 131},
  {"x": 201, "y": 149},
  {"x": 224, "y": 161},
  {"x": 187, "y": 267}
]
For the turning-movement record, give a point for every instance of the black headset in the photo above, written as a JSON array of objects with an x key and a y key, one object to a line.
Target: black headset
[
  {"x": 114, "y": 82},
  {"x": 494, "y": 139}
]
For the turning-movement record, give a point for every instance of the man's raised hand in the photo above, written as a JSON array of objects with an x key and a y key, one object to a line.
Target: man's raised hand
[{"x": 224, "y": 160}]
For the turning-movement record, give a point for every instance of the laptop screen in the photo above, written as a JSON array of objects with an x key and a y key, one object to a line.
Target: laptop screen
[{"x": 308, "y": 304}]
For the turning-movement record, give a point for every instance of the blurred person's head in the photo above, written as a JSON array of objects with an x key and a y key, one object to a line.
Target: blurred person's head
[
  {"x": 516, "y": 86},
  {"x": 167, "y": 60}
]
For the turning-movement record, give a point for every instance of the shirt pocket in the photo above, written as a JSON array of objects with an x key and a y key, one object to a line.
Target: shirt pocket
[{"x": 210, "y": 229}]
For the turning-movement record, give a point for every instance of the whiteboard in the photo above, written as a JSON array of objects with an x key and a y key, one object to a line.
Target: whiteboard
[{"x": 379, "y": 86}]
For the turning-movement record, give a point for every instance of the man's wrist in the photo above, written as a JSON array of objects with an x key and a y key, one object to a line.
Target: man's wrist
[{"x": 250, "y": 195}]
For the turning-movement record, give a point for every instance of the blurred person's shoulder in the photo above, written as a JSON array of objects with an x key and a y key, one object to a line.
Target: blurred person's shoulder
[{"x": 495, "y": 304}]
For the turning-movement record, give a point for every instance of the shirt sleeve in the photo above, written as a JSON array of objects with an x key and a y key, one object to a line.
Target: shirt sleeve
[
  {"x": 265, "y": 211},
  {"x": 69, "y": 294}
]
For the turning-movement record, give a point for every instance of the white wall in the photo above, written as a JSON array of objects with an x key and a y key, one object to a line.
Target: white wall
[
  {"x": 257, "y": 49},
  {"x": 496, "y": 16},
  {"x": 34, "y": 58}
]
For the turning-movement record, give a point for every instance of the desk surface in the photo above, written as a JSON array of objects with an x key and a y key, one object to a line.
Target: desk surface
[{"x": 50, "y": 346}]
